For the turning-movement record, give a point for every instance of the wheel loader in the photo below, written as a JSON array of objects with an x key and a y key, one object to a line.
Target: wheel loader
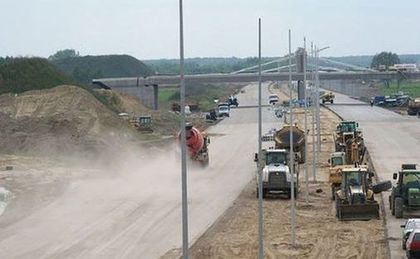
[{"x": 355, "y": 198}]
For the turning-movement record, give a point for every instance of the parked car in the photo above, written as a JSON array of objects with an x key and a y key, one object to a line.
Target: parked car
[
  {"x": 212, "y": 115},
  {"x": 233, "y": 101},
  {"x": 409, "y": 226},
  {"x": 223, "y": 104},
  {"x": 273, "y": 98},
  {"x": 224, "y": 111},
  {"x": 413, "y": 244}
]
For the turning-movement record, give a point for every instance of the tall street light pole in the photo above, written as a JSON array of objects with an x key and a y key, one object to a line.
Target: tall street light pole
[
  {"x": 306, "y": 123},
  {"x": 260, "y": 184},
  {"x": 183, "y": 139},
  {"x": 292, "y": 158},
  {"x": 314, "y": 101}
]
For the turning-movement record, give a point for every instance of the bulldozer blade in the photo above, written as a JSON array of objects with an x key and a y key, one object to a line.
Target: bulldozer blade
[{"x": 358, "y": 211}]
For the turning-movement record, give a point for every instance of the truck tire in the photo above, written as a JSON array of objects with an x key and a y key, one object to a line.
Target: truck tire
[
  {"x": 332, "y": 101},
  {"x": 264, "y": 193},
  {"x": 398, "y": 206},
  {"x": 337, "y": 209},
  {"x": 393, "y": 207},
  {"x": 382, "y": 186}
]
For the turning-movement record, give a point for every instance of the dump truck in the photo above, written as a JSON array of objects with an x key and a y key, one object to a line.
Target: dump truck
[
  {"x": 197, "y": 145},
  {"x": 355, "y": 198},
  {"x": 413, "y": 107},
  {"x": 404, "y": 200},
  {"x": 327, "y": 98},
  {"x": 276, "y": 175},
  {"x": 281, "y": 140}
]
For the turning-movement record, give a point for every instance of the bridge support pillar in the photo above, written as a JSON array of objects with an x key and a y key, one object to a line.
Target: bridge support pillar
[
  {"x": 300, "y": 66},
  {"x": 155, "y": 97}
]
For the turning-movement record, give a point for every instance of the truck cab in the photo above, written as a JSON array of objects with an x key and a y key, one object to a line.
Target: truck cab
[{"x": 276, "y": 175}]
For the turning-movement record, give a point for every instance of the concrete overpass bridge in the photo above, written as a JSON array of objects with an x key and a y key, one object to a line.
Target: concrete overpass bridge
[{"x": 146, "y": 88}]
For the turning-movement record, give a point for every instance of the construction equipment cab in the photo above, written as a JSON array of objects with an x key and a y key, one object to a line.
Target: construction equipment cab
[
  {"x": 276, "y": 176},
  {"x": 404, "y": 200}
]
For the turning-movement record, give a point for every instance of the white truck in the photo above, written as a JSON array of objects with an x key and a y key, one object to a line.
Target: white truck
[{"x": 276, "y": 176}]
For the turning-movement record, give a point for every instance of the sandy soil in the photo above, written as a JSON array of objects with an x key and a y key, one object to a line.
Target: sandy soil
[{"x": 318, "y": 234}]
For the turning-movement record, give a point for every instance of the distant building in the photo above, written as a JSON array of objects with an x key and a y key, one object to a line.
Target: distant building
[{"x": 403, "y": 67}]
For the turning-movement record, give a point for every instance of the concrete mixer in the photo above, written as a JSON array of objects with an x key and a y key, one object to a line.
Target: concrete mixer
[
  {"x": 197, "y": 145},
  {"x": 282, "y": 141}
]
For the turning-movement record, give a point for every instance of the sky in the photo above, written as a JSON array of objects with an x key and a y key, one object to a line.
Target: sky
[{"x": 149, "y": 29}]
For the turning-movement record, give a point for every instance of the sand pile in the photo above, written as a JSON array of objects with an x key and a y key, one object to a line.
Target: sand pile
[{"x": 62, "y": 118}]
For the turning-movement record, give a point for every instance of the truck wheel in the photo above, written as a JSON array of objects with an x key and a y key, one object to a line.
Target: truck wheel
[
  {"x": 264, "y": 193},
  {"x": 398, "y": 207},
  {"x": 296, "y": 193},
  {"x": 332, "y": 101},
  {"x": 390, "y": 204},
  {"x": 393, "y": 207},
  {"x": 323, "y": 101},
  {"x": 337, "y": 209}
]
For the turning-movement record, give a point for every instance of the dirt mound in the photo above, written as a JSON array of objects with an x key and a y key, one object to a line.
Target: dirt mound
[{"x": 61, "y": 118}]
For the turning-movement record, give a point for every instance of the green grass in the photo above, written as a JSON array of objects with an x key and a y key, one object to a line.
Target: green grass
[
  {"x": 164, "y": 96},
  {"x": 410, "y": 88}
]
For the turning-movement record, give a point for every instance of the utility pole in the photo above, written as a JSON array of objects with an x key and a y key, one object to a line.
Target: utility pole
[
  {"x": 292, "y": 200},
  {"x": 318, "y": 117},
  {"x": 314, "y": 101},
  {"x": 260, "y": 185},
  {"x": 183, "y": 139},
  {"x": 306, "y": 123}
]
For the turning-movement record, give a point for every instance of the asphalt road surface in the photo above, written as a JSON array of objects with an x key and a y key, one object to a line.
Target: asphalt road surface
[
  {"x": 136, "y": 212},
  {"x": 392, "y": 140}
]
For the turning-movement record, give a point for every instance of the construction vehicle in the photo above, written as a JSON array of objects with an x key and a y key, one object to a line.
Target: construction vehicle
[
  {"x": 355, "y": 198},
  {"x": 346, "y": 137},
  {"x": 145, "y": 123},
  {"x": 413, "y": 106},
  {"x": 281, "y": 139},
  {"x": 337, "y": 162},
  {"x": 197, "y": 145},
  {"x": 327, "y": 97},
  {"x": 275, "y": 162},
  {"x": 276, "y": 175},
  {"x": 404, "y": 200}
]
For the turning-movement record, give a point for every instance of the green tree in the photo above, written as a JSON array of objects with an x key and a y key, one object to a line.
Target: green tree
[
  {"x": 385, "y": 58},
  {"x": 63, "y": 54}
]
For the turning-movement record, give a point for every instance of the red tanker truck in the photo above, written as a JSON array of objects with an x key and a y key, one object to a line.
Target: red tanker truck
[{"x": 197, "y": 145}]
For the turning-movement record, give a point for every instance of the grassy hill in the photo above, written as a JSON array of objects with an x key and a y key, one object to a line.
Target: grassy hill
[
  {"x": 85, "y": 68},
  {"x": 18, "y": 75}
]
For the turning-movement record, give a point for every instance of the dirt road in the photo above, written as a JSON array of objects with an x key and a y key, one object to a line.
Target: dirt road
[{"x": 127, "y": 204}]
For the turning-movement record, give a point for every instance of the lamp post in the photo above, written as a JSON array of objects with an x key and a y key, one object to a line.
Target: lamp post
[{"x": 318, "y": 121}]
